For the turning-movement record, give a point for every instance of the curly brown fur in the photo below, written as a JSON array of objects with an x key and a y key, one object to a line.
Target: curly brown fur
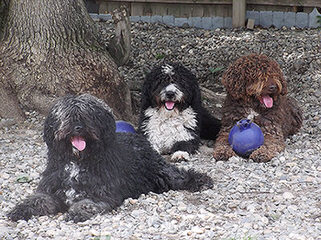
[{"x": 257, "y": 89}]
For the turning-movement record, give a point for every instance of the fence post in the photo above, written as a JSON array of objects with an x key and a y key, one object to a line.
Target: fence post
[{"x": 239, "y": 12}]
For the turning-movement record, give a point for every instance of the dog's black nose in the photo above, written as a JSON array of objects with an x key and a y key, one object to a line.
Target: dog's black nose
[
  {"x": 78, "y": 128},
  {"x": 170, "y": 94},
  {"x": 272, "y": 88}
]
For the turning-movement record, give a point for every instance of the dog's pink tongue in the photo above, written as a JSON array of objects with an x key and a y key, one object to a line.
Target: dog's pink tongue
[
  {"x": 268, "y": 101},
  {"x": 79, "y": 143},
  {"x": 169, "y": 105}
]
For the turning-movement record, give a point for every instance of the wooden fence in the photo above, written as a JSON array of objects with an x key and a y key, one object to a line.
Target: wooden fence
[{"x": 215, "y": 13}]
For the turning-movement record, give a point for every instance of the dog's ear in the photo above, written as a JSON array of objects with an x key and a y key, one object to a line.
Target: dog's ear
[
  {"x": 152, "y": 80},
  {"x": 146, "y": 94},
  {"x": 49, "y": 128},
  {"x": 196, "y": 95},
  {"x": 234, "y": 80},
  {"x": 284, "y": 90},
  {"x": 275, "y": 69}
]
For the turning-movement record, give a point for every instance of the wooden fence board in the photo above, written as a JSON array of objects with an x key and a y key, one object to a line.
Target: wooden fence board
[
  {"x": 251, "y": 7},
  {"x": 228, "y": 2},
  {"x": 263, "y": 18},
  {"x": 204, "y": 8},
  {"x": 210, "y": 14},
  {"x": 304, "y": 3},
  {"x": 176, "y": 10},
  {"x": 238, "y": 13}
]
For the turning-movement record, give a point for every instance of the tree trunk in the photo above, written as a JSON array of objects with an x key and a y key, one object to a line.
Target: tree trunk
[
  {"x": 4, "y": 5},
  {"x": 52, "y": 48},
  {"x": 119, "y": 46}
]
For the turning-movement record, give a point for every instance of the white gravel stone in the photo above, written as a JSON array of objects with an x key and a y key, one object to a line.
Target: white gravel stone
[{"x": 288, "y": 195}]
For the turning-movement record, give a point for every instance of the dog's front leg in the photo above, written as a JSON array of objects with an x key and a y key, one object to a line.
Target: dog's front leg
[
  {"x": 39, "y": 204},
  {"x": 273, "y": 144},
  {"x": 86, "y": 209},
  {"x": 182, "y": 150},
  {"x": 222, "y": 149}
]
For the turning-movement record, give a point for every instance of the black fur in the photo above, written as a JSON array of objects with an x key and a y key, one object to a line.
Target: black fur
[
  {"x": 207, "y": 126},
  {"x": 112, "y": 167}
]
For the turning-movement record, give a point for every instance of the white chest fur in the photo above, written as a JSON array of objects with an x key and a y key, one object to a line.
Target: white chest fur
[
  {"x": 252, "y": 114},
  {"x": 73, "y": 172},
  {"x": 164, "y": 128}
]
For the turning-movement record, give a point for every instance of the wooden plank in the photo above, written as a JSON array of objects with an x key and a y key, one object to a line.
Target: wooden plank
[
  {"x": 193, "y": 8},
  {"x": 108, "y": 7},
  {"x": 305, "y": 3},
  {"x": 238, "y": 13},
  {"x": 217, "y": 11},
  {"x": 276, "y": 8},
  {"x": 221, "y": 2},
  {"x": 292, "y": 3},
  {"x": 180, "y": 10}
]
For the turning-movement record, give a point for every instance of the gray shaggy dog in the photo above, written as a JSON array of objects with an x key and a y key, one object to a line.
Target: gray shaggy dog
[{"x": 91, "y": 169}]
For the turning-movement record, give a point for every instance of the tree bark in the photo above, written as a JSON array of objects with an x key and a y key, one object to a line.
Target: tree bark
[
  {"x": 4, "y": 5},
  {"x": 52, "y": 48},
  {"x": 119, "y": 46}
]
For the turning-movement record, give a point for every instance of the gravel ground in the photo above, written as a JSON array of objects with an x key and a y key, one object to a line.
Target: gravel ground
[{"x": 276, "y": 200}]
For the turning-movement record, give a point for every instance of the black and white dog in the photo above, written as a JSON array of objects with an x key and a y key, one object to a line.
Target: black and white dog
[
  {"x": 172, "y": 116},
  {"x": 91, "y": 169}
]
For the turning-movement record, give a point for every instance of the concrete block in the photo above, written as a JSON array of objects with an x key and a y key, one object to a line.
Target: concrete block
[
  {"x": 250, "y": 23},
  {"x": 93, "y": 15},
  {"x": 227, "y": 22},
  {"x": 207, "y": 23},
  {"x": 302, "y": 20},
  {"x": 253, "y": 15},
  {"x": 134, "y": 18},
  {"x": 156, "y": 19},
  {"x": 278, "y": 19},
  {"x": 179, "y": 22},
  {"x": 218, "y": 22},
  {"x": 105, "y": 17},
  {"x": 195, "y": 22},
  {"x": 266, "y": 19},
  {"x": 289, "y": 19},
  {"x": 145, "y": 19},
  {"x": 190, "y": 21},
  {"x": 169, "y": 20},
  {"x": 313, "y": 18}
]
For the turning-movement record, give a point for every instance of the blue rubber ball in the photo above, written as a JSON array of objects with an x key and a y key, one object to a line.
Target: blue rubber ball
[
  {"x": 123, "y": 126},
  {"x": 245, "y": 137}
]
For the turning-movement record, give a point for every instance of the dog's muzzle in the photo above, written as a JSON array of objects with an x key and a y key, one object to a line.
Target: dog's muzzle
[
  {"x": 77, "y": 140},
  {"x": 170, "y": 100},
  {"x": 170, "y": 96},
  {"x": 267, "y": 98}
]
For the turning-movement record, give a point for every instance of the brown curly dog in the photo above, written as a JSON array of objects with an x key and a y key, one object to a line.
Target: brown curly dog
[{"x": 257, "y": 90}]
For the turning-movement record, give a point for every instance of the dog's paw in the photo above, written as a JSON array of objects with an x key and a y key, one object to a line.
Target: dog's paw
[
  {"x": 76, "y": 217},
  {"x": 223, "y": 153},
  {"x": 20, "y": 212},
  {"x": 35, "y": 205},
  {"x": 261, "y": 155},
  {"x": 179, "y": 156},
  {"x": 84, "y": 210},
  {"x": 206, "y": 183}
]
